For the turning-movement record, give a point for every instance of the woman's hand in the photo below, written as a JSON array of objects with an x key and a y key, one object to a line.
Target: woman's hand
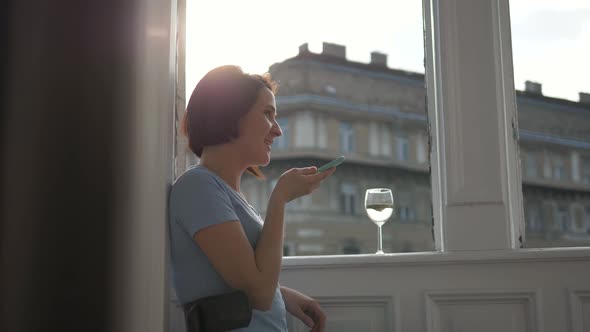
[
  {"x": 305, "y": 308},
  {"x": 298, "y": 182}
]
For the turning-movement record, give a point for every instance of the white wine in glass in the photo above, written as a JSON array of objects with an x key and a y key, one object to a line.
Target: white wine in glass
[{"x": 379, "y": 206}]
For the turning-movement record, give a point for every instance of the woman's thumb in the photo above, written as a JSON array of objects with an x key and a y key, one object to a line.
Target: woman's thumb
[{"x": 308, "y": 170}]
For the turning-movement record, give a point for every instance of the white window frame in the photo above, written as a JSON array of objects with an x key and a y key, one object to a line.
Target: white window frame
[{"x": 468, "y": 61}]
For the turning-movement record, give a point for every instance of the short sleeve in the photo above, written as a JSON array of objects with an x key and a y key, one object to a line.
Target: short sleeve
[{"x": 198, "y": 200}]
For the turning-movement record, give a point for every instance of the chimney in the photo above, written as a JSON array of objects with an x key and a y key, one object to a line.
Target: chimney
[
  {"x": 379, "y": 59},
  {"x": 304, "y": 49},
  {"x": 334, "y": 50},
  {"x": 533, "y": 88},
  {"x": 585, "y": 98}
]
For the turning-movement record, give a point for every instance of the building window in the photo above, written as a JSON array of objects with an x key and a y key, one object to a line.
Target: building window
[
  {"x": 373, "y": 138},
  {"x": 385, "y": 143},
  {"x": 403, "y": 148},
  {"x": 406, "y": 213},
  {"x": 558, "y": 168},
  {"x": 562, "y": 218},
  {"x": 585, "y": 170},
  {"x": 577, "y": 220},
  {"x": 346, "y": 137},
  {"x": 421, "y": 149},
  {"x": 348, "y": 198},
  {"x": 546, "y": 165},
  {"x": 282, "y": 142},
  {"x": 351, "y": 247},
  {"x": 531, "y": 164},
  {"x": 305, "y": 129},
  {"x": 587, "y": 219},
  {"x": 310, "y": 248},
  {"x": 533, "y": 221},
  {"x": 288, "y": 249}
]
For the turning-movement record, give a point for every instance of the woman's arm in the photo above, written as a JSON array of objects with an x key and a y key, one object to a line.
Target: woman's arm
[{"x": 257, "y": 271}]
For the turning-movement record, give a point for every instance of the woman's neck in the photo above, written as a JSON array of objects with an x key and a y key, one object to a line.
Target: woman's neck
[{"x": 224, "y": 163}]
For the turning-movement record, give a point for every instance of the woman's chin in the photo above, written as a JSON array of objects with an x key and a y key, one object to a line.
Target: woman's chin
[{"x": 266, "y": 160}]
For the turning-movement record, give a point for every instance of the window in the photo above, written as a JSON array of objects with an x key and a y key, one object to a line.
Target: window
[
  {"x": 331, "y": 93},
  {"x": 288, "y": 249},
  {"x": 546, "y": 165},
  {"x": 310, "y": 248},
  {"x": 531, "y": 164},
  {"x": 351, "y": 247},
  {"x": 348, "y": 198},
  {"x": 585, "y": 170},
  {"x": 421, "y": 149},
  {"x": 304, "y": 129},
  {"x": 346, "y": 137},
  {"x": 577, "y": 220},
  {"x": 533, "y": 221},
  {"x": 406, "y": 213},
  {"x": 558, "y": 168},
  {"x": 385, "y": 142},
  {"x": 403, "y": 149},
  {"x": 380, "y": 139},
  {"x": 553, "y": 116},
  {"x": 562, "y": 218},
  {"x": 282, "y": 143},
  {"x": 587, "y": 219}
]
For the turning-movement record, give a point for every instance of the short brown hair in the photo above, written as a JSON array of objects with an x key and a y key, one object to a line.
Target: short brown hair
[{"x": 217, "y": 103}]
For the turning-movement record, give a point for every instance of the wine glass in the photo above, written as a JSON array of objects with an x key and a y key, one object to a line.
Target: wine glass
[{"x": 379, "y": 206}]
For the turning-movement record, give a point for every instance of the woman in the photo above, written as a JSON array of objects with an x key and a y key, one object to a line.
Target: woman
[{"x": 218, "y": 241}]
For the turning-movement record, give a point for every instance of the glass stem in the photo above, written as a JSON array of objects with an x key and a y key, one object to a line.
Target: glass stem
[{"x": 380, "y": 239}]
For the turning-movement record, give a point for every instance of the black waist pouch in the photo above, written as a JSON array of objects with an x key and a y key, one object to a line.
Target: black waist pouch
[{"x": 218, "y": 313}]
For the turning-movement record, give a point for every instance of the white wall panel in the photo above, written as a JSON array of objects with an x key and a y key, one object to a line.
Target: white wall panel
[
  {"x": 457, "y": 311},
  {"x": 579, "y": 310},
  {"x": 353, "y": 314}
]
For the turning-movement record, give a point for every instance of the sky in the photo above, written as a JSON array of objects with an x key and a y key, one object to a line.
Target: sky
[{"x": 550, "y": 39}]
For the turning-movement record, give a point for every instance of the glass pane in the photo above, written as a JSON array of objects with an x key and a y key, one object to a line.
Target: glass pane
[
  {"x": 551, "y": 52},
  {"x": 351, "y": 82}
]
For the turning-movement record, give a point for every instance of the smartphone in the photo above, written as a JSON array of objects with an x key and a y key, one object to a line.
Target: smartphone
[{"x": 331, "y": 164}]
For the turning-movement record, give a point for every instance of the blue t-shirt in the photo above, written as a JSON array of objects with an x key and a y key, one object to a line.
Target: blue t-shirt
[{"x": 198, "y": 199}]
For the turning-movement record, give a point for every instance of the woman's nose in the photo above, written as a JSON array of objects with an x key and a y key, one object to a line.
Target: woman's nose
[{"x": 277, "y": 131}]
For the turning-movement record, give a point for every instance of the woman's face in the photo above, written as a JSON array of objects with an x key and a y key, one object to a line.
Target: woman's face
[{"x": 258, "y": 129}]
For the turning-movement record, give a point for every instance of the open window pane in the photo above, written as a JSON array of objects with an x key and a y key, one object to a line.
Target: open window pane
[
  {"x": 350, "y": 84},
  {"x": 551, "y": 52}
]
